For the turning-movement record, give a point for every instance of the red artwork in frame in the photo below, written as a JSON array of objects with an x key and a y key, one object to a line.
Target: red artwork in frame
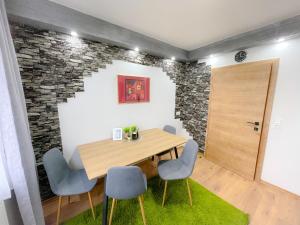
[{"x": 133, "y": 89}]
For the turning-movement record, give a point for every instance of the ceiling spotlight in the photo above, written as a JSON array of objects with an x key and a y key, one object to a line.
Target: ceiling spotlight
[
  {"x": 136, "y": 49},
  {"x": 280, "y": 39},
  {"x": 173, "y": 58},
  {"x": 212, "y": 59},
  {"x": 74, "y": 33}
]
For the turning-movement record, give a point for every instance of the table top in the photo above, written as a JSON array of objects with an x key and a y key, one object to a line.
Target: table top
[{"x": 98, "y": 157}]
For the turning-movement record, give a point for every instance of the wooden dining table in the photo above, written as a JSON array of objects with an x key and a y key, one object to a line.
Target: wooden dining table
[{"x": 97, "y": 157}]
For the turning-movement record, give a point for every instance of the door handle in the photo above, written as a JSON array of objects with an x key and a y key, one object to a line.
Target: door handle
[{"x": 253, "y": 123}]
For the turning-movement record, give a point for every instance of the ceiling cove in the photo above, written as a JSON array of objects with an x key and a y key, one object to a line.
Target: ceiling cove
[{"x": 167, "y": 28}]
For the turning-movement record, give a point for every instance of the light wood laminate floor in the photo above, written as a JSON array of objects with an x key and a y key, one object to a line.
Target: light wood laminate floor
[{"x": 266, "y": 204}]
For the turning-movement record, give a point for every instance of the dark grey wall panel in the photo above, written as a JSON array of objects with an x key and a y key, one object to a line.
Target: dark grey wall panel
[
  {"x": 49, "y": 15},
  {"x": 289, "y": 28},
  {"x": 12, "y": 209},
  {"x": 192, "y": 95}
]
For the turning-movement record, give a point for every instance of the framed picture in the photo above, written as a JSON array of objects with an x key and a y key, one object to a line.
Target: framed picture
[
  {"x": 133, "y": 89},
  {"x": 117, "y": 134}
]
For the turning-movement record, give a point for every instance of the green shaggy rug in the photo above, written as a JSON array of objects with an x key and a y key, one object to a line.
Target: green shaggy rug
[{"x": 207, "y": 209}]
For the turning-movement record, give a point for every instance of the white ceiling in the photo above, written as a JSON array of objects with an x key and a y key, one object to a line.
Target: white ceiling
[{"x": 188, "y": 24}]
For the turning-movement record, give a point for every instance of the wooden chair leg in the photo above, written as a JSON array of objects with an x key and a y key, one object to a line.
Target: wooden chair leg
[
  {"x": 142, "y": 196},
  {"x": 189, "y": 191},
  {"x": 58, "y": 210},
  {"x": 171, "y": 155},
  {"x": 112, "y": 210},
  {"x": 165, "y": 192},
  {"x": 142, "y": 208},
  {"x": 91, "y": 204}
]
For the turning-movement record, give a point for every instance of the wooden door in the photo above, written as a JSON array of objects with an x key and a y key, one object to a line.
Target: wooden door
[{"x": 236, "y": 111}]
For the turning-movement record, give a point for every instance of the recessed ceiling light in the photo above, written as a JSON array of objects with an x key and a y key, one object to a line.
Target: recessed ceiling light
[
  {"x": 280, "y": 39},
  {"x": 173, "y": 58},
  {"x": 212, "y": 59},
  {"x": 136, "y": 49},
  {"x": 74, "y": 33}
]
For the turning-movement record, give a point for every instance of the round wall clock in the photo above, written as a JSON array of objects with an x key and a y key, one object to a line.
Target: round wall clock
[{"x": 240, "y": 56}]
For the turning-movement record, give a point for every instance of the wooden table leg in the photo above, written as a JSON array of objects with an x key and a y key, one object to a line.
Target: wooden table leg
[
  {"x": 104, "y": 204},
  {"x": 176, "y": 153},
  {"x": 58, "y": 210}
]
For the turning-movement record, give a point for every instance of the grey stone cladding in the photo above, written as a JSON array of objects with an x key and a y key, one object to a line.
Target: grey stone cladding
[
  {"x": 192, "y": 95},
  {"x": 53, "y": 65}
]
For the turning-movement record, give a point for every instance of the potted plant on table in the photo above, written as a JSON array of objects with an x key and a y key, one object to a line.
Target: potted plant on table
[
  {"x": 127, "y": 133},
  {"x": 134, "y": 132}
]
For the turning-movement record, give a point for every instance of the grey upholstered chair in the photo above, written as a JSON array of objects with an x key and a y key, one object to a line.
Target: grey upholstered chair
[
  {"x": 126, "y": 182},
  {"x": 172, "y": 130},
  {"x": 65, "y": 181},
  {"x": 180, "y": 168}
]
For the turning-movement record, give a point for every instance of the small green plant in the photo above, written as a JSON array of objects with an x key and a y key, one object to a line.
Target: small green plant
[
  {"x": 130, "y": 132},
  {"x": 126, "y": 130},
  {"x": 133, "y": 129}
]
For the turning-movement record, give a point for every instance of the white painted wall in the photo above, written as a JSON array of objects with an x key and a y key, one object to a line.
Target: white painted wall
[
  {"x": 282, "y": 159},
  {"x": 92, "y": 114}
]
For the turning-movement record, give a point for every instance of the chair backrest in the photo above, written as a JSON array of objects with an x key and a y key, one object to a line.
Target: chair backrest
[
  {"x": 170, "y": 129},
  {"x": 56, "y": 167},
  {"x": 125, "y": 182},
  {"x": 189, "y": 154}
]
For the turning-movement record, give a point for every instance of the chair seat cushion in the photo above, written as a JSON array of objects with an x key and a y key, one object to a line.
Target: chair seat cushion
[
  {"x": 120, "y": 192},
  {"x": 172, "y": 170},
  {"x": 76, "y": 182},
  {"x": 125, "y": 182}
]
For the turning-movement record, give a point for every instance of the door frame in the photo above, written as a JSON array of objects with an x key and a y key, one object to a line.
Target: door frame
[{"x": 267, "y": 112}]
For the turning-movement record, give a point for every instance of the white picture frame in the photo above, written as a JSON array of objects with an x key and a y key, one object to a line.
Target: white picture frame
[{"x": 117, "y": 134}]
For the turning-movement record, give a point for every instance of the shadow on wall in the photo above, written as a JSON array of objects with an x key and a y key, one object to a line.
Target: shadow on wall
[{"x": 12, "y": 210}]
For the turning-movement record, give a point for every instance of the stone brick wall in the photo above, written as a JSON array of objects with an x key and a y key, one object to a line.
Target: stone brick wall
[
  {"x": 192, "y": 95},
  {"x": 53, "y": 65}
]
